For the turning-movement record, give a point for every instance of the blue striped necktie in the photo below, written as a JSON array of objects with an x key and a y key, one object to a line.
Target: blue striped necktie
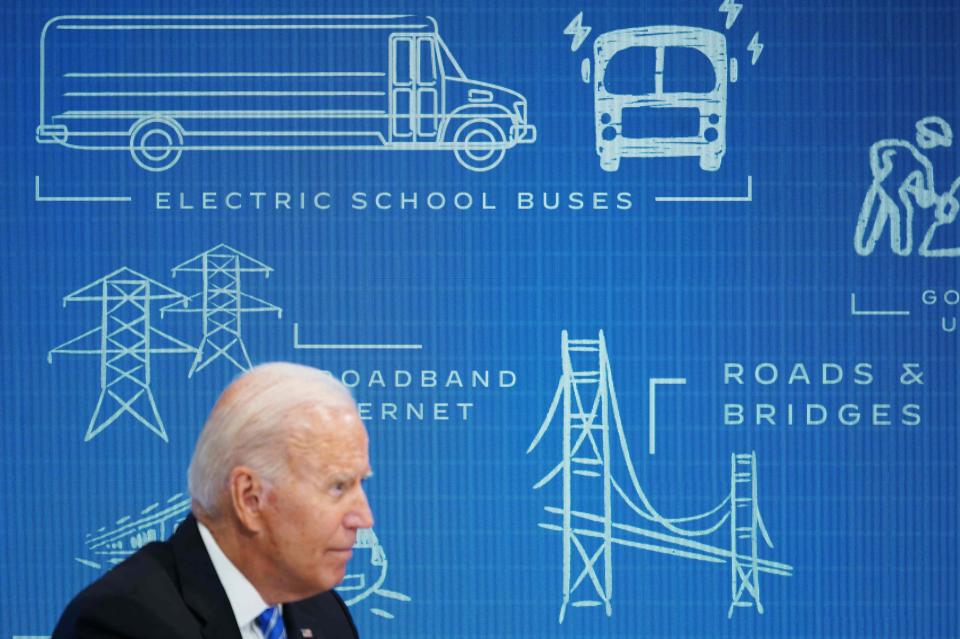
[{"x": 270, "y": 623}]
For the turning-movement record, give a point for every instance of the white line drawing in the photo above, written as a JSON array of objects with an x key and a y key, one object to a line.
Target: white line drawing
[
  {"x": 222, "y": 304},
  {"x": 357, "y": 586},
  {"x": 732, "y": 10},
  {"x": 125, "y": 341},
  {"x": 901, "y": 168},
  {"x": 652, "y": 405},
  {"x": 694, "y": 198},
  {"x": 108, "y": 546},
  {"x": 944, "y": 214},
  {"x": 371, "y": 82},
  {"x": 621, "y": 107},
  {"x": 591, "y": 416},
  {"x": 297, "y": 344},
  {"x": 74, "y": 198},
  {"x": 859, "y": 311},
  {"x": 755, "y": 48},
  {"x": 577, "y": 31}
]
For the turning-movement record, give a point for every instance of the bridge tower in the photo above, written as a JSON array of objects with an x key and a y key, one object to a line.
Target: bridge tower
[
  {"x": 745, "y": 522},
  {"x": 588, "y": 403}
]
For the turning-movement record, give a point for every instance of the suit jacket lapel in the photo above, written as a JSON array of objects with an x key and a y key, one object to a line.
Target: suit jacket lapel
[{"x": 200, "y": 585}]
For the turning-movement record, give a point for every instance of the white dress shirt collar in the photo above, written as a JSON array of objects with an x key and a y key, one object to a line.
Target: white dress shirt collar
[{"x": 246, "y": 602}]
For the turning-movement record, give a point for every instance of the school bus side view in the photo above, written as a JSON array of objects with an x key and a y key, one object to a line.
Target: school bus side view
[{"x": 156, "y": 86}]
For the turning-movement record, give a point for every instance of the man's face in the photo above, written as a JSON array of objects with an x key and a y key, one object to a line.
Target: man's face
[{"x": 312, "y": 515}]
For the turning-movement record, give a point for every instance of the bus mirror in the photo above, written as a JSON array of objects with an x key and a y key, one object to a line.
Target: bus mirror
[
  {"x": 585, "y": 70},
  {"x": 734, "y": 70}
]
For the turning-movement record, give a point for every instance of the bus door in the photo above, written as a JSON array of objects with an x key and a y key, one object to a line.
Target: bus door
[{"x": 414, "y": 88}]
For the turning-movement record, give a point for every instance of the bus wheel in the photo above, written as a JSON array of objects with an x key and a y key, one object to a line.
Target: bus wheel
[
  {"x": 156, "y": 143},
  {"x": 480, "y": 145}
]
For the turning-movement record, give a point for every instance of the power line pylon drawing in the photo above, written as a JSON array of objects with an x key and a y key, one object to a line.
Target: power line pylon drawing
[
  {"x": 592, "y": 436},
  {"x": 222, "y": 304},
  {"x": 125, "y": 340}
]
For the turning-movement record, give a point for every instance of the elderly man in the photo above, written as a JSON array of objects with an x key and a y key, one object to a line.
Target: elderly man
[{"x": 277, "y": 500}]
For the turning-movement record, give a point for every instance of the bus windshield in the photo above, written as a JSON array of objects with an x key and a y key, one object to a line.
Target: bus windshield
[
  {"x": 450, "y": 67},
  {"x": 651, "y": 70}
]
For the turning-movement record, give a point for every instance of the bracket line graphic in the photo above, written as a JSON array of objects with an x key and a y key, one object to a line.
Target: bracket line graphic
[
  {"x": 37, "y": 197},
  {"x": 693, "y": 198},
  {"x": 857, "y": 311},
  {"x": 297, "y": 344},
  {"x": 654, "y": 382}
]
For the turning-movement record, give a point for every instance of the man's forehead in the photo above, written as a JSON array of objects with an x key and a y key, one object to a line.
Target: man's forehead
[
  {"x": 324, "y": 419},
  {"x": 328, "y": 436}
]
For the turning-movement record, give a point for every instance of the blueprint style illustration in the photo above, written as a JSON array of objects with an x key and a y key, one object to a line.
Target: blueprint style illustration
[
  {"x": 222, "y": 303},
  {"x": 589, "y": 415},
  {"x": 649, "y": 309},
  {"x": 889, "y": 206},
  {"x": 661, "y": 91},
  {"x": 125, "y": 342},
  {"x": 371, "y": 82}
]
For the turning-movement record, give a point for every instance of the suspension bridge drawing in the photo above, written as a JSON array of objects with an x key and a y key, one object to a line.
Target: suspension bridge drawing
[
  {"x": 125, "y": 341},
  {"x": 592, "y": 435},
  {"x": 111, "y": 544},
  {"x": 221, "y": 304}
]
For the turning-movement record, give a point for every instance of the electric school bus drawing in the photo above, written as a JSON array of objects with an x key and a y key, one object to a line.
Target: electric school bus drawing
[
  {"x": 156, "y": 86},
  {"x": 660, "y": 92}
]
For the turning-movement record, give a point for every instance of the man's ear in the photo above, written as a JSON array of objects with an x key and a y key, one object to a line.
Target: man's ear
[{"x": 248, "y": 497}]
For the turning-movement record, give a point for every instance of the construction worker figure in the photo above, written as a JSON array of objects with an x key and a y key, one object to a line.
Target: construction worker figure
[{"x": 912, "y": 179}]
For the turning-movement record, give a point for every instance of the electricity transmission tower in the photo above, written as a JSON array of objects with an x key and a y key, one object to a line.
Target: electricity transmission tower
[
  {"x": 222, "y": 304},
  {"x": 125, "y": 341}
]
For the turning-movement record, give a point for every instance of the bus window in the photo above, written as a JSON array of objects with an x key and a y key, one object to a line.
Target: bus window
[
  {"x": 632, "y": 71},
  {"x": 428, "y": 68},
  {"x": 401, "y": 62},
  {"x": 687, "y": 70}
]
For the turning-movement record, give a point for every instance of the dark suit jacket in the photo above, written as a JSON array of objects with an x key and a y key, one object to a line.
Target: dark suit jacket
[{"x": 170, "y": 590}]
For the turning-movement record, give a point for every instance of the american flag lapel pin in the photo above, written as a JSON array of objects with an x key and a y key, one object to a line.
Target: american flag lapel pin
[{"x": 306, "y": 633}]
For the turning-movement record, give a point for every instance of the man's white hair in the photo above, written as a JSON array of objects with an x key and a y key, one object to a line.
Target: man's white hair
[{"x": 254, "y": 424}]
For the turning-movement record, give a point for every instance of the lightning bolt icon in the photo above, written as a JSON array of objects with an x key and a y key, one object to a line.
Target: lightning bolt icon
[
  {"x": 755, "y": 47},
  {"x": 732, "y": 9},
  {"x": 578, "y": 31}
]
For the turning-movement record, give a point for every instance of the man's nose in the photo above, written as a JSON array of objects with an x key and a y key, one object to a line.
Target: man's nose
[{"x": 360, "y": 516}]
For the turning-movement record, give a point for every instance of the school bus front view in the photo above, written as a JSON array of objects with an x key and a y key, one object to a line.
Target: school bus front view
[{"x": 660, "y": 92}]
